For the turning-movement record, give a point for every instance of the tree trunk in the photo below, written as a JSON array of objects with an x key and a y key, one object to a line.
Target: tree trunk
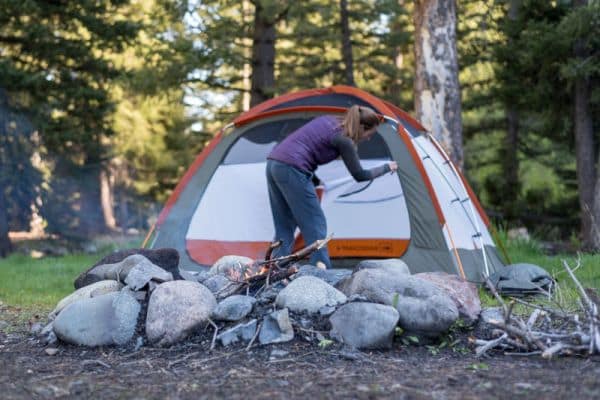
[
  {"x": 263, "y": 56},
  {"x": 346, "y": 44},
  {"x": 107, "y": 200},
  {"x": 510, "y": 159},
  {"x": 436, "y": 88},
  {"x": 90, "y": 215},
  {"x": 247, "y": 69},
  {"x": 587, "y": 175},
  {"x": 5, "y": 244}
]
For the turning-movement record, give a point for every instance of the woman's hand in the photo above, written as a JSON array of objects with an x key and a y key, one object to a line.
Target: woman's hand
[{"x": 393, "y": 166}]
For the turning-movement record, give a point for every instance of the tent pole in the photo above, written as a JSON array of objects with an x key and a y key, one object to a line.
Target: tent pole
[{"x": 460, "y": 266}]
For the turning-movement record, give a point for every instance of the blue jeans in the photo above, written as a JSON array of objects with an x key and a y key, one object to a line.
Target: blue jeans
[{"x": 294, "y": 203}]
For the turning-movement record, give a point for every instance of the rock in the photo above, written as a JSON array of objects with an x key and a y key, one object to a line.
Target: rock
[
  {"x": 176, "y": 309},
  {"x": 423, "y": 307},
  {"x": 167, "y": 259},
  {"x": 242, "y": 332},
  {"x": 331, "y": 276},
  {"x": 327, "y": 310},
  {"x": 233, "y": 266},
  {"x": 51, "y": 351},
  {"x": 194, "y": 276},
  {"x": 105, "y": 320},
  {"x": 47, "y": 335},
  {"x": 215, "y": 283},
  {"x": 464, "y": 294},
  {"x": 36, "y": 328},
  {"x": 269, "y": 295},
  {"x": 93, "y": 290},
  {"x": 144, "y": 272},
  {"x": 277, "y": 353},
  {"x": 364, "y": 325},
  {"x": 3, "y": 325},
  {"x": 394, "y": 265},
  {"x": 487, "y": 323},
  {"x": 276, "y": 328},
  {"x": 233, "y": 308},
  {"x": 310, "y": 294}
]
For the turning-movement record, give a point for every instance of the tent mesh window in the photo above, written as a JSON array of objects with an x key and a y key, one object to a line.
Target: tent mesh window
[{"x": 254, "y": 145}]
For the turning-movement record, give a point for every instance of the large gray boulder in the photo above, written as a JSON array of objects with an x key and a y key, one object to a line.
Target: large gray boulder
[
  {"x": 364, "y": 325},
  {"x": 176, "y": 309},
  {"x": 166, "y": 258},
  {"x": 310, "y": 294},
  {"x": 423, "y": 307},
  {"x": 233, "y": 308},
  {"x": 464, "y": 294},
  {"x": 95, "y": 289},
  {"x": 109, "y": 319}
]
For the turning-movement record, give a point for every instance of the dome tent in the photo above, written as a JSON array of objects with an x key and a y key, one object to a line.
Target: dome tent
[{"x": 426, "y": 214}]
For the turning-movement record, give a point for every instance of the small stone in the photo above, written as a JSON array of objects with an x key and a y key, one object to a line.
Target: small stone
[
  {"x": 276, "y": 353},
  {"x": 244, "y": 332},
  {"x": 234, "y": 308},
  {"x": 327, "y": 310},
  {"x": 51, "y": 351},
  {"x": 276, "y": 328},
  {"x": 36, "y": 328}
]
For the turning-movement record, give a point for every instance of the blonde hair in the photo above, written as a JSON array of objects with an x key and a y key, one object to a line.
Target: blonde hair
[{"x": 358, "y": 116}]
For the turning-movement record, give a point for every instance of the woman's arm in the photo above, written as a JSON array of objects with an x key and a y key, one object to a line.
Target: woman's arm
[{"x": 350, "y": 157}]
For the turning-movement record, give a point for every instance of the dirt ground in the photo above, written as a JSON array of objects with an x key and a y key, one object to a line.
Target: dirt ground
[{"x": 296, "y": 370}]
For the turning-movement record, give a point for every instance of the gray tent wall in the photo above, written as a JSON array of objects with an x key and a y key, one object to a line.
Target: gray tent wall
[{"x": 426, "y": 252}]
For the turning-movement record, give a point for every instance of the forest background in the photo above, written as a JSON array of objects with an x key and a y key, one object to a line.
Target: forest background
[{"x": 104, "y": 104}]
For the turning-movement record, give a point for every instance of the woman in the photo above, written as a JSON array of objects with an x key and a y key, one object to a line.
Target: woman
[{"x": 291, "y": 166}]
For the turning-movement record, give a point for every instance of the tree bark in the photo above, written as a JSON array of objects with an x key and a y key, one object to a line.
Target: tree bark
[
  {"x": 346, "y": 44},
  {"x": 587, "y": 174},
  {"x": 436, "y": 88},
  {"x": 90, "y": 216},
  {"x": 263, "y": 56},
  {"x": 107, "y": 200},
  {"x": 5, "y": 244},
  {"x": 510, "y": 159}
]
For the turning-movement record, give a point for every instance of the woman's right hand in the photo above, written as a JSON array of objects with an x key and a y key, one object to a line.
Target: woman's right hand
[{"x": 393, "y": 166}]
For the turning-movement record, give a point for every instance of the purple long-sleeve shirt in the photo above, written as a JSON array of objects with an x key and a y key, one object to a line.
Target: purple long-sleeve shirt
[{"x": 319, "y": 142}]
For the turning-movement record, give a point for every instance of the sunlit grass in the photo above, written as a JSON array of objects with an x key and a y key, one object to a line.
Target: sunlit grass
[{"x": 40, "y": 283}]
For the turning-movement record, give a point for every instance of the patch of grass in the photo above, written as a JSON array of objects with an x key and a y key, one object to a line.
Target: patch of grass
[
  {"x": 36, "y": 284},
  {"x": 40, "y": 283}
]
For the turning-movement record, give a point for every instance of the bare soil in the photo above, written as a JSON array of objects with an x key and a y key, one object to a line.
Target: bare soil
[{"x": 192, "y": 371}]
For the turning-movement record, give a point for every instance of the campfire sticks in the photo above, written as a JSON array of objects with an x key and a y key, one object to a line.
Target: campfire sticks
[
  {"x": 547, "y": 332},
  {"x": 270, "y": 270}
]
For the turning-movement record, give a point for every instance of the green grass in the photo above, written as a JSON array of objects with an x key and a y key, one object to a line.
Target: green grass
[
  {"x": 40, "y": 283},
  {"x": 37, "y": 284}
]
